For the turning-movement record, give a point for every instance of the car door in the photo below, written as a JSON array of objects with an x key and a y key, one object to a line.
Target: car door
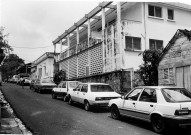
[
  {"x": 146, "y": 103},
  {"x": 83, "y": 93},
  {"x": 130, "y": 101},
  {"x": 75, "y": 95},
  {"x": 63, "y": 88}
]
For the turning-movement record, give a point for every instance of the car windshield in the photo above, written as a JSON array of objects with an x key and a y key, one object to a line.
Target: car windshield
[
  {"x": 101, "y": 88},
  {"x": 47, "y": 81},
  {"x": 73, "y": 84},
  {"x": 176, "y": 95}
]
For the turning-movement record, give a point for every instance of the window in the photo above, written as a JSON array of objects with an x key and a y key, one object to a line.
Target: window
[
  {"x": 168, "y": 73},
  {"x": 64, "y": 85},
  {"x": 134, "y": 94},
  {"x": 155, "y": 44},
  {"x": 84, "y": 88},
  {"x": 170, "y": 14},
  {"x": 133, "y": 43},
  {"x": 101, "y": 88},
  {"x": 79, "y": 87},
  {"x": 155, "y": 11},
  {"x": 148, "y": 95},
  {"x": 176, "y": 95}
]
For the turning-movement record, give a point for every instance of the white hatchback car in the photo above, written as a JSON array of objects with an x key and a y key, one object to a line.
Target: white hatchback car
[
  {"x": 92, "y": 94},
  {"x": 159, "y": 105}
]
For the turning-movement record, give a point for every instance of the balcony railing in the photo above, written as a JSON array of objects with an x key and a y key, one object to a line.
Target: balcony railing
[{"x": 82, "y": 46}]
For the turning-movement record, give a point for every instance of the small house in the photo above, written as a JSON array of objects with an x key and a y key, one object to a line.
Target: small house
[{"x": 175, "y": 62}]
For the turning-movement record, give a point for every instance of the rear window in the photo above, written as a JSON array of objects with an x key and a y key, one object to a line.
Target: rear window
[
  {"x": 47, "y": 81},
  {"x": 176, "y": 95},
  {"x": 101, "y": 88},
  {"x": 73, "y": 84}
]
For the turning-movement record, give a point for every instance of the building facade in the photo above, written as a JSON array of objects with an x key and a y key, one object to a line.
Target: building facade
[
  {"x": 110, "y": 37},
  {"x": 43, "y": 66},
  {"x": 175, "y": 63}
]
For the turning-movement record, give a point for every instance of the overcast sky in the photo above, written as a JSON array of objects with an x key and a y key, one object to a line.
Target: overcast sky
[{"x": 36, "y": 23}]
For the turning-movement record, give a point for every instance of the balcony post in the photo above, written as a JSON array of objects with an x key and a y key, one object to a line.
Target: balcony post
[{"x": 103, "y": 37}]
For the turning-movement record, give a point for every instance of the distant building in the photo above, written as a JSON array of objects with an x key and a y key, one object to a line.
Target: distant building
[
  {"x": 175, "y": 63},
  {"x": 26, "y": 68},
  {"x": 43, "y": 66},
  {"x": 110, "y": 38}
]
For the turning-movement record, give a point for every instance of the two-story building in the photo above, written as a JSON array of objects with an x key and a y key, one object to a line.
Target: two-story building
[
  {"x": 43, "y": 66},
  {"x": 105, "y": 45}
]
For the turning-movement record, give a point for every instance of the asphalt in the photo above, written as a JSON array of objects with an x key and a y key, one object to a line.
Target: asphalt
[{"x": 9, "y": 123}]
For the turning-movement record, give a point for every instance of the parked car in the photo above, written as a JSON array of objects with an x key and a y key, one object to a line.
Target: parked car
[
  {"x": 32, "y": 83},
  {"x": 159, "y": 105},
  {"x": 27, "y": 81},
  {"x": 63, "y": 88},
  {"x": 15, "y": 78},
  {"x": 44, "y": 85},
  {"x": 92, "y": 94}
]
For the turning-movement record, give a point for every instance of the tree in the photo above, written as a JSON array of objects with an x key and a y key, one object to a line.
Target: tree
[
  {"x": 10, "y": 65},
  {"x": 148, "y": 70},
  {"x": 4, "y": 47},
  {"x": 59, "y": 76}
]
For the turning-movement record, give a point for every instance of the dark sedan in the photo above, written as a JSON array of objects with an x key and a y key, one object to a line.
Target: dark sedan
[{"x": 44, "y": 85}]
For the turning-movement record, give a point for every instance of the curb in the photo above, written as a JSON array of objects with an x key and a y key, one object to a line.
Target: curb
[{"x": 11, "y": 125}]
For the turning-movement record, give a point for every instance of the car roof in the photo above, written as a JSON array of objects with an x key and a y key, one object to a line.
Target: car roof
[
  {"x": 158, "y": 87},
  {"x": 91, "y": 83}
]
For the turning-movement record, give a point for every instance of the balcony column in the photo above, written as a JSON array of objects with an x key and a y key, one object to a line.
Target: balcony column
[
  {"x": 103, "y": 38},
  {"x": 89, "y": 38},
  {"x": 60, "y": 46},
  {"x": 119, "y": 34},
  {"x": 78, "y": 42},
  {"x": 68, "y": 43},
  {"x": 89, "y": 32}
]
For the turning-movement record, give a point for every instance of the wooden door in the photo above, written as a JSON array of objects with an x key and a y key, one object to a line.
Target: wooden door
[
  {"x": 187, "y": 80},
  {"x": 183, "y": 77},
  {"x": 179, "y": 77}
]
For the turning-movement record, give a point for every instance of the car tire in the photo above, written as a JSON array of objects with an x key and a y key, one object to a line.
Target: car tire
[
  {"x": 115, "y": 114},
  {"x": 87, "y": 106},
  {"x": 158, "y": 124},
  {"x": 70, "y": 102},
  {"x": 53, "y": 95},
  {"x": 65, "y": 98},
  {"x": 40, "y": 91}
]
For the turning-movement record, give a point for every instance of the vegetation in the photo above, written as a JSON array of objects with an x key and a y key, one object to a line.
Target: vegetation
[
  {"x": 148, "y": 70},
  {"x": 8, "y": 62},
  {"x": 59, "y": 76}
]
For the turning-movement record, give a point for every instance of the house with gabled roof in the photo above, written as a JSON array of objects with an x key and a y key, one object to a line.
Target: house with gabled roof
[{"x": 175, "y": 62}]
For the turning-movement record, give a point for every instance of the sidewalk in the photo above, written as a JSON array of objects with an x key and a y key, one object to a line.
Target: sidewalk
[{"x": 9, "y": 123}]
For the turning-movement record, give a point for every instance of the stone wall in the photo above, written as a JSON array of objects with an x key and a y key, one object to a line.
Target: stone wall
[{"x": 120, "y": 81}]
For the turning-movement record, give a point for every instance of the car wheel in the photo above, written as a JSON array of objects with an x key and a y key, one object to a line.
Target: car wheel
[
  {"x": 65, "y": 98},
  {"x": 87, "y": 105},
  {"x": 40, "y": 91},
  {"x": 53, "y": 95},
  {"x": 158, "y": 123},
  {"x": 70, "y": 102},
  {"x": 115, "y": 114}
]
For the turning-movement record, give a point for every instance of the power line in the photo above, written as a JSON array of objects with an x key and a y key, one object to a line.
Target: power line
[{"x": 31, "y": 47}]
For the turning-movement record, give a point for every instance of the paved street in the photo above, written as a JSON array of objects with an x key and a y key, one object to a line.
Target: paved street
[{"x": 44, "y": 115}]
